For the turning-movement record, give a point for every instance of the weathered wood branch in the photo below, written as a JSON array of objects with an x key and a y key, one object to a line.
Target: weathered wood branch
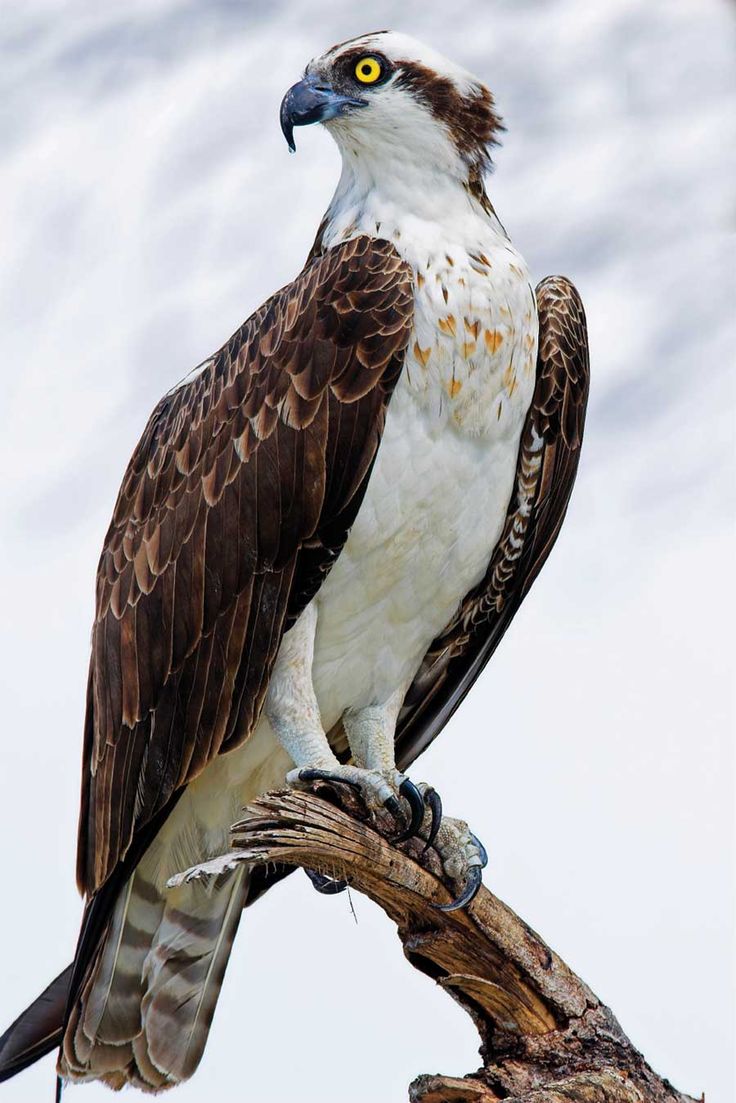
[{"x": 545, "y": 1037}]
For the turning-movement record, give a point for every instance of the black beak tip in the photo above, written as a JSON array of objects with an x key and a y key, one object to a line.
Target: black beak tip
[
  {"x": 309, "y": 102},
  {"x": 287, "y": 125}
]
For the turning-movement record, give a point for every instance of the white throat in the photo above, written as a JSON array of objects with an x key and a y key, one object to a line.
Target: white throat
[
  {"x": 470, "y": 362},
  {"x": 391, "y": 194}
]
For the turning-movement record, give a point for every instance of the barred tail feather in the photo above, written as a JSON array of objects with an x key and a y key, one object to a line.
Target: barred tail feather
[
  {"x": 184, "y": 971},
  {"x": 119, "y": 973},
  {"x": 144, "y": 1013}
]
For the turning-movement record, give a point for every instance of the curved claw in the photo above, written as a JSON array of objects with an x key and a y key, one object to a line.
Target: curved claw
[
  {"x": 391, "y": 804},
  {"x": 482, "y": 852},
  {"x": 475, "y": 879},
  {"x": 434, "y": 801},
  {"x": 327, "y": 886},
  {"x": 414, "y": 799},
  {"x": 310, "y": 773}
]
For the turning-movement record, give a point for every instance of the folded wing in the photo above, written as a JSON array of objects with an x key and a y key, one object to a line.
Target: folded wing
[{"x": 235, "y": 504}]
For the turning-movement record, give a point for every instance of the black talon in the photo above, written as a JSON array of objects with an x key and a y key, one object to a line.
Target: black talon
[
  {"x": 392, "y": 806},
  {"x": 434, "y": 801},
  {"x": 475, "y": 879},
  {"x": 482, "y": 852},
  {"x": 414, "y": 799},
  {"x": 310, "y": 773},
  {"x": 327, "y": 886}
]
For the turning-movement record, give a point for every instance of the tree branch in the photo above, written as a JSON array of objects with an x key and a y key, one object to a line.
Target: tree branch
[{"x": 545, "y": 1037}]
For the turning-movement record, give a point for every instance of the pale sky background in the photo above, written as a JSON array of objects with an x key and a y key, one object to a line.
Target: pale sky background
[{"x": 148, "y": 204}]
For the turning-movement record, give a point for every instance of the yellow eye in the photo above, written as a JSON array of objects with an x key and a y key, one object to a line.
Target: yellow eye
[{"x": 368, "y": 70}]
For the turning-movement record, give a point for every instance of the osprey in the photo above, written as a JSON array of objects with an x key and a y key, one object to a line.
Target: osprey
[{"x": 319, "y": 541}]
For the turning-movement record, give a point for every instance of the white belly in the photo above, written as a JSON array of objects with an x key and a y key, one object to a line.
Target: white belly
[
  {"x": 438, "y": 495},
  {"x": 432, "y": 514}
]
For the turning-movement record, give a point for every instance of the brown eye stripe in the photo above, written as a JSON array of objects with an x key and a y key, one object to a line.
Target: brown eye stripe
[{"x": 472, "y": 120}]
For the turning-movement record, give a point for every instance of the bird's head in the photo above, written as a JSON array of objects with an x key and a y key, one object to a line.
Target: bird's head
[{"x": 392, "y": 104}]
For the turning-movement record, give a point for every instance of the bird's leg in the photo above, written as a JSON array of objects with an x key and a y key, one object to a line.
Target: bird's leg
[
  {"x": 370, "y": 732},
  {"x": 372, "y": 772},
  {"x": 293, "y": 712},
  {"x": 291, "y": 704},
  {"x": 371, "y": 735}
]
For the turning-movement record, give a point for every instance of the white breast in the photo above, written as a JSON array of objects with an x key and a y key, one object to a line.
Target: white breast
[{"x": 438, "y": 495}]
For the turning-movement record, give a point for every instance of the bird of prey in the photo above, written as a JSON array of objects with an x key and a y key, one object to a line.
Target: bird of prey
[{"x": 318, "y": 543}]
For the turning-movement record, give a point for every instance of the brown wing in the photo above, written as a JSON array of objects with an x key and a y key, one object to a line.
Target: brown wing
[
  {"x": 236, "y": 502},
  {"x": 546, "y": 469}
]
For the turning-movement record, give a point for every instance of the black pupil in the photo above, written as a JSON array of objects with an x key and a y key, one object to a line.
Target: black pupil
[{"x": 366, "y": 69}]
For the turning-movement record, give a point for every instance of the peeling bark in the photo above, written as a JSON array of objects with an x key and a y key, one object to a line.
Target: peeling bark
[{"x": 545, "y": 1037}]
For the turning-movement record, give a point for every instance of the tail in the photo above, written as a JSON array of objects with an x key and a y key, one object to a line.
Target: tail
[
  {"x": 37, "y": 1031},
  {"x": 144, "y": 1011},
  {"x": 151, "y": 960}
]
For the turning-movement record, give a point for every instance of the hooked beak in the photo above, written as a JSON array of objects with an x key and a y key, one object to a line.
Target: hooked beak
[{"x": 312, "y": 101}]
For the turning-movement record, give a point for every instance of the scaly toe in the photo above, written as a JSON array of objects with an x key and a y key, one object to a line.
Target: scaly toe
[
  {"x": 309, "y": 773},
  {"x": 378, "y": 791},
  {"x": 463, "y": 858}
]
